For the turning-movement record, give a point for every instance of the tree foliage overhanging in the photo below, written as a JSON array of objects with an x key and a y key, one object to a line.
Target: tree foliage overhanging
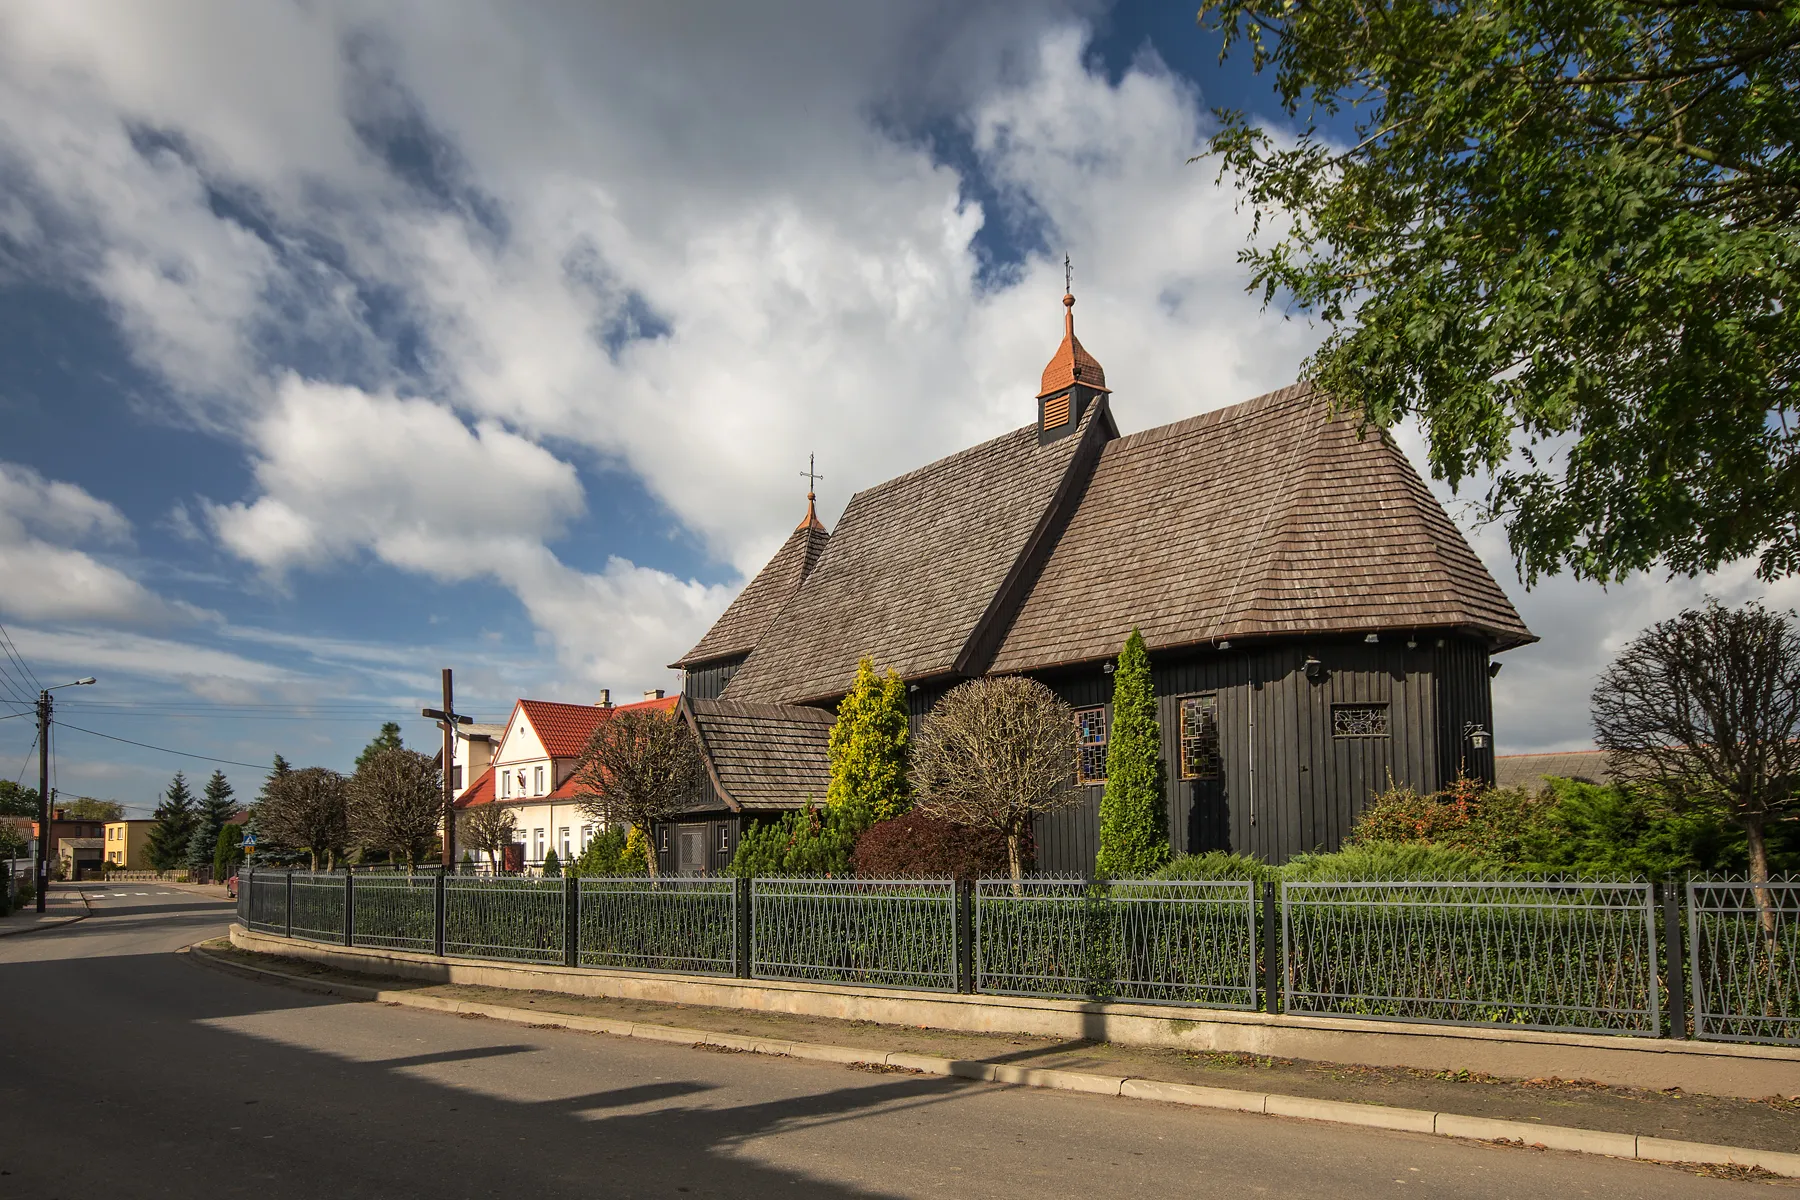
[{"x": 1566, "y": 228}]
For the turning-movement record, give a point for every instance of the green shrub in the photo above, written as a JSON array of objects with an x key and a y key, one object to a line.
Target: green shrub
[
  {"x": 868, "y": 748},
  {"x": 552, "y": 864},
  {"x": 1392, "y": 860},
  {"x": 807, "y": 841},
  {"x": 612, "y": 852},
  {"x": 1217, "y": 864},
  {"x": 1134, "y": 813}
]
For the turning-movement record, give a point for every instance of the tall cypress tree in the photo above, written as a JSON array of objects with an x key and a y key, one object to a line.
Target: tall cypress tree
[
  {"x": 175, "y": 819},
  {"x": 868, "y": 749},
  {"x": 1134, "y": 814}
]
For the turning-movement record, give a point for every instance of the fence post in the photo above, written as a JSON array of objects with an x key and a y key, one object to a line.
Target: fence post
[
  {"x": 965, "y": 935},
  {"x": 740, "y": 912},
  {"x": 290, "y": 903},
  {"x": 1272, "y": 964},
  {"x": 1674, "y": 953},
  {"x": 437, "y": 917},
  {"x": 571, "y": 921},
  {"x": 349, "y": 907}
]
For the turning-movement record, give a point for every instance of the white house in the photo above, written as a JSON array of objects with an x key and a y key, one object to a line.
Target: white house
[{"x": 531, "y": 772}]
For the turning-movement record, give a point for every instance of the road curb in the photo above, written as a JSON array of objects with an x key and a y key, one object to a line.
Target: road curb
[{"x": 1375, "y": 1116}]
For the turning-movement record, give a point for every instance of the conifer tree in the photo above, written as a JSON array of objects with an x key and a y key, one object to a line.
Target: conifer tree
[
  {"x": 228, "y": 851},
  {"x": 552, "y": 864},
  {"x": 868, "y": 749},
  {"x": 387, "y": 739},
  {"x": 1134, "y": 814},
  {"x": 175, "y": 819}
]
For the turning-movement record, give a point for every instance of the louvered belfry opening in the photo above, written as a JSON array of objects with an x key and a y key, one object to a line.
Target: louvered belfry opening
[{"x": 1073, "y": 380}]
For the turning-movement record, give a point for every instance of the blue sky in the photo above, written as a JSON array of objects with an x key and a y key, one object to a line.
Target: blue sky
[{"x": 342, "y": 343}]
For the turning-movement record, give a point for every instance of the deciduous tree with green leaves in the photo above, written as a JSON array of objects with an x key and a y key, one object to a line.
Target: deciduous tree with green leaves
[
  {"x": 1562, "y": 236},
  {"x": 868, "y": 748},
  {"x": 1134, "y": 811}
]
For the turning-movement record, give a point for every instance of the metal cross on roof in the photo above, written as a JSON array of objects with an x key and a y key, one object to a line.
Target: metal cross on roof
[
  {"x": 1068, "y": 277},
  {"x": 812, "y": 477}
]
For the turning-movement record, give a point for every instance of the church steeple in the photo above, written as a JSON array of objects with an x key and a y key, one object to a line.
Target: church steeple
[
  {"x": 811, "y": 520},
  {"x": 1073, "y": 379}
]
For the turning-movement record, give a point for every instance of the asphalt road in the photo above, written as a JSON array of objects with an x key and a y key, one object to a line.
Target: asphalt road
[{"x": 129, "y": 1071}]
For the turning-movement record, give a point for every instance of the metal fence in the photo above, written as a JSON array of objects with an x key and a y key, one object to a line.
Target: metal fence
[
  {"x": 878, "y": 932},
  {"x": 1543, "y": 955},
  {"x": 1744, "y": 948},
  {"x": 1161, "y": 942},
  {"x": 316, "y": 908},
  {"x": 521, "y": 918},
  {"x": 680, "y": 923},
  {"x": 394, "y": 910}
]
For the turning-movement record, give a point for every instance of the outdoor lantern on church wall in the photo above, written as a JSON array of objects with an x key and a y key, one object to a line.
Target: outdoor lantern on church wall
[{"x": 1477, "y": 735}]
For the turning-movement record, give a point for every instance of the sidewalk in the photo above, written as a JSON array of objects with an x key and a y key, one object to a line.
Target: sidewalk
[
  {"x": 1769, "y": 1124},
  {"x": 63, "y": 905}
]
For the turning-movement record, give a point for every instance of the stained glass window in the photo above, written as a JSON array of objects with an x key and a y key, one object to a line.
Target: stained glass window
[
  {"x": 1090, "y": 763},
  {"x": 1200, "y": 737}
]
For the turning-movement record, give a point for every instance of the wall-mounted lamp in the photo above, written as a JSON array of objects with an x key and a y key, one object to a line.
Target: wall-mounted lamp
[
  {"x": 1372, "y": 638},
  {"x": 1109, "y": 668},
  {"x": 912, "y": 687},
  {"x": 1225, "y": 644},
  {"x": 1476, "y": 735},
  {"x": 1412, "y": 643},
  {"x": 1315, "y": 670},
  {"x": 1493, "y": 670}
]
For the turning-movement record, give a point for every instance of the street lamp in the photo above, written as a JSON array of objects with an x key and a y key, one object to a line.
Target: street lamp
[{"x": 43, "y": 838}]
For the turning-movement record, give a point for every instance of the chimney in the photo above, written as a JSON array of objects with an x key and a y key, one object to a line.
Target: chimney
[
  {"x": 605, "y": 700},
  {"x": 654, "y": 694}
]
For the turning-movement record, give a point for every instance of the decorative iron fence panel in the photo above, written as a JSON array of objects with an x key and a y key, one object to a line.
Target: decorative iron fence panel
[
  {"x": 676, "y": 923},
  {"x": 319, "y": 906},
  {"x": 1035, "y": 937},
  {"x": 394, "y": 911},
  {"x": 879, "y": 932},
  {"x": 513, "y": 917},
  {"x": 1135, "y": 940},
  {"x": 1744, "y": 959},
  {"x": 1575, "y": 956},
  {"x": 267, "y": 903}
]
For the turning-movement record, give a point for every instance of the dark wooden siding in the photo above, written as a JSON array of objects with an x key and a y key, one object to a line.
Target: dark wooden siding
[
  {"x": 708, "y": 682},
  {"x": 729, "y": 828},
  {"x": 1465, "y": 698}
]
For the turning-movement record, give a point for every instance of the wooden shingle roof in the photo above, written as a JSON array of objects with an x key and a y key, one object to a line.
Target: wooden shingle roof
[
  {"x": 747, "y": 618},
  {"x": 764, "y": 756},
  {"x": 1270, "y": 517},
  {"x": 922, "y": 568}
]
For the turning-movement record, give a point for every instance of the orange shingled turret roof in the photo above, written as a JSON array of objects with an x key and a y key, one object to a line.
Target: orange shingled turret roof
[{"x": 1072, "y": 363}]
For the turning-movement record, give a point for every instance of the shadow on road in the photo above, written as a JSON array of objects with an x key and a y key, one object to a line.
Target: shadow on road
[{"x": 144, "y": 1057}]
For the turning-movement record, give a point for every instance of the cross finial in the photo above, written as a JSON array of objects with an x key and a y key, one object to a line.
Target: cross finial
[
  {"x": 1068, "y": 277},
  {"x": 811, "y": 476}
]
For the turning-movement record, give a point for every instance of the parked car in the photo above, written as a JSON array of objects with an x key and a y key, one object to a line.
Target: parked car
[{"x": 231, "y": 887}]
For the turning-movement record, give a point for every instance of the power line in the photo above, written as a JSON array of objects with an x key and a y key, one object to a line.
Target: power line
[
  {"x": 21, "y": 779},
  {"x": 230, "y": 762},
  {"x": 13, "y": 653}
]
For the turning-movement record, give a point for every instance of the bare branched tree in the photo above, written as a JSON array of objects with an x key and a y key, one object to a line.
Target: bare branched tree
[
  {"x": 306, "y": 810},
  {"x": 639, "y": 767},
  {"x": 1706, "y": 709},
  {"x": 396, "y": 804},
  {"x": 487, "y": 829},
  {"x": 994, "y": 754}
]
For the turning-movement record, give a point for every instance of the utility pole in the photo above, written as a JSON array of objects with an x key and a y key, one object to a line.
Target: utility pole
[
  {"x": 448, "y": 719},
  {"x": 44, "y": 810},
  {"x": 43, "y": 838}
]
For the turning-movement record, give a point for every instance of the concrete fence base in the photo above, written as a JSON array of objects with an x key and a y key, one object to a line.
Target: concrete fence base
[{"x": 1712, "y": 1068}]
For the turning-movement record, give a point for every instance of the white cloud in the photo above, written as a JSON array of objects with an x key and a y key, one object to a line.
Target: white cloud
[
  {"x": 41, "y": 575},
  {"x": 406, "y": 255}
]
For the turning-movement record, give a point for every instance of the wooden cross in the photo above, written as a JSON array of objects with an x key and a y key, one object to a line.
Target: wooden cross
[{"x": 811, "y": 476}]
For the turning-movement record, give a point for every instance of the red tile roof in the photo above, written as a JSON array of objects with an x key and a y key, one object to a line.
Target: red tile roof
[
  {"x": 565, "y": 728},
  {"x": 479, "y": 792}
]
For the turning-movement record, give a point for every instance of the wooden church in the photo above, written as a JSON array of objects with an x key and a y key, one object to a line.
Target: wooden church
[{"x": 1316, "y": 623}]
